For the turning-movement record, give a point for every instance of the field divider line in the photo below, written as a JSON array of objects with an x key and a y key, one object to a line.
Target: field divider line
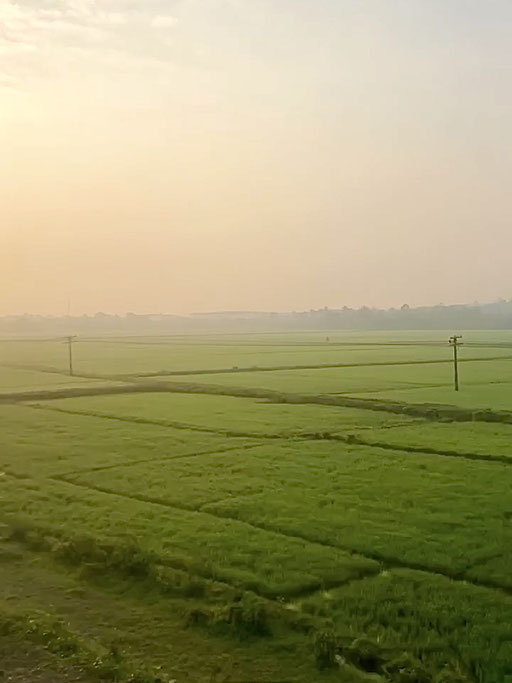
[
  {"x": 169, "y": 424},
  {"x": 385, "y": 561},
  {"x": 192, "y": 340},
  {"x": 71, "y": 392},
  {"x": 275, "y": 602},
  {"x": 64, "y": 372},
  {"x": 147, "y": 461},
  {"x": 411, "y": 387},
  {"x": 431, "y": 412},
  {"x": 447, "y": 385},
  {"x": 427, "y": 450},
  {"x": 303, "y": 437},
  {"x": 317, "y": 366},
  {"x": 300, "y": 591}
]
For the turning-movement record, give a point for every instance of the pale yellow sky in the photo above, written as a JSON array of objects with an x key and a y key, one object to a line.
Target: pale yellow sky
[{"x": 186, "y": 155}]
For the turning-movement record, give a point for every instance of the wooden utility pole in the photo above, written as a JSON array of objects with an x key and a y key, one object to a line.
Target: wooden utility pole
[
  {"x": 455, "y": 343},
  {"x": 69, "y": 342}
]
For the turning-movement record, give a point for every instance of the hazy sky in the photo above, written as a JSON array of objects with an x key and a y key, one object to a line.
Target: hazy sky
[{"x": 189, "y": 155}]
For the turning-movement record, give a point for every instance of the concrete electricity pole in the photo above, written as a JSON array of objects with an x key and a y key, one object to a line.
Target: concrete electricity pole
[
  {"x": 69, "y": 342},
  {"x": 455, "y": 343}
]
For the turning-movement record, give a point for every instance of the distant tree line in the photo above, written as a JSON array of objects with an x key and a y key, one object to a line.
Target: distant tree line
[{"x": 496, "y": 315}]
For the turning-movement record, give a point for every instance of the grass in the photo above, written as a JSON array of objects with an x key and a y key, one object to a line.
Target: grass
[
  {"x": 230, "y": 414},
  {"x": 143, "y": 627},
  {"x": 205, "y": 545},
  {"x": 114, "y": 356},
  {"x": 53, "y": 636},
  {"x": 44, "y": 443},
  {"x": 152, "y": 355},
  {"x": 371, "y": 382},
  {"x": 495, "y": 395},
  {"x": 438, "y": 513},
  {"x": 221, "y": 537},
  {"x": 472, "y": 438},
  {"x": 450, "y": 626},
  {"x": 14, "y": 379}
]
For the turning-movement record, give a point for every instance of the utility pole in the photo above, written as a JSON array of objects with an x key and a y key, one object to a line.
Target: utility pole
[
  {"x": 69, "y": 342},
  {"x": 455, "y": 343}
]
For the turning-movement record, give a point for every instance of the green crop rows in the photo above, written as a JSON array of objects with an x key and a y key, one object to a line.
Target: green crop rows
[{"x": 358, "y": 538}]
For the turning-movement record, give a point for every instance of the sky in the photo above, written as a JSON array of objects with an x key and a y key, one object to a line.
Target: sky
[{"x": 176, "y": 156}]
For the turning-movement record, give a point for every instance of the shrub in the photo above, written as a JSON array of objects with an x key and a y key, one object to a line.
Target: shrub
[
  {"x": 325, "y": 648},
  {"x": 18, "y": 532},
  {"x": 246, "y": 618},
  {"x": 194, "y": 589}
]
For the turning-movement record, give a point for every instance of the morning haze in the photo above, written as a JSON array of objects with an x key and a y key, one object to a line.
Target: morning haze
[
  {"x": 254, "y": 154},
  {"x": 255, "y": 341}
]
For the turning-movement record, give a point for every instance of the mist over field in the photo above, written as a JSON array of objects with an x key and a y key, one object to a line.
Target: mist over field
[{"x": 431, "y": 321}]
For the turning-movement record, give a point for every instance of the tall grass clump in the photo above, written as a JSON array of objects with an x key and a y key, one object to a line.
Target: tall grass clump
[{"x": 244, "y": 618}]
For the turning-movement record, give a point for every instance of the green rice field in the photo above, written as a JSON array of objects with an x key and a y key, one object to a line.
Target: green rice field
[{"x": 282, "y": 507}]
